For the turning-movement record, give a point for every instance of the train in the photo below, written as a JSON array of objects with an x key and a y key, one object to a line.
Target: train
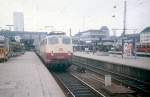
[
  {"x": 4, "y": 48},
  {"x": 9, "y": 47},
  {"x": 56, "y": 51},
  {"x": 143, "y": 48}
]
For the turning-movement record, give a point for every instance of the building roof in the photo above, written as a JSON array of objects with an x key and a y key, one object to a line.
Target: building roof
[
  {"x": 104, "y": 29},
  {"x": 93, "y": 30},
  {"x": 146, "y": 30}
]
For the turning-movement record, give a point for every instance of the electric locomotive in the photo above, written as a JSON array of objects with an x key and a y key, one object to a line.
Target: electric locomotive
[{"x": 56, "y": 51}]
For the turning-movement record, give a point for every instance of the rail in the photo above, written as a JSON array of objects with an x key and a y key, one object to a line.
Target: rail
[
  {"x": 126, "y": 80},
  {"x": 76, "y": 87}
]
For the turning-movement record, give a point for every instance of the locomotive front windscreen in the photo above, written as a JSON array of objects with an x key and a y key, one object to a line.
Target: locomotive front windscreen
[
  {"x": 66, "y": 40},
  {"x": 53, "y": 40}
]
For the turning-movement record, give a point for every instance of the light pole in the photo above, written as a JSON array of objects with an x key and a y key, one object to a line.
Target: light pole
[
  {"x": 70, "y": 32},
  {"x": 124, "y": 26}
]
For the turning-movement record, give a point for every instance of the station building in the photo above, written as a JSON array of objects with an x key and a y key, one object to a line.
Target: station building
[
  {"x": 145, "y": 36},
  {"x": 90, "y": 38}
]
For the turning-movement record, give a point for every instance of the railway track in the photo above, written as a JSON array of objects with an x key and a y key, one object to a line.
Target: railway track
[
  {"x": 141, "y": 86},
  {"x": 75, "y": 87},
  {"x": 98, "y": 83}
]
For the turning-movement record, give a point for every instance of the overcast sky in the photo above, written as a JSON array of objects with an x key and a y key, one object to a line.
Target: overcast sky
[{"x": 78, "y": 15}]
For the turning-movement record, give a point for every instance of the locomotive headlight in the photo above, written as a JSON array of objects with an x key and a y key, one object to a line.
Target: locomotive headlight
[
  {"x": 69, "y": 53},
  {"x": 52, "y": 54}
]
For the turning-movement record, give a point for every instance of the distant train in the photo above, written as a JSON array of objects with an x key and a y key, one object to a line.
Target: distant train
[
  {"x": 10, "y": 46},
  {"x": 56, "y": 51},
  {"x": 4, "y": 48},
  {"x": 143, "y": 48}
]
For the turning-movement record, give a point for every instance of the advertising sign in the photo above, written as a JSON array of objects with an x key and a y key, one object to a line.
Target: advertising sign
[{"x": 128, "y": 47}]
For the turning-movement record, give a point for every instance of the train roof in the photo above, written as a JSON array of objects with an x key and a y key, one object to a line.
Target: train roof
[{"x": 57, "y": 33}]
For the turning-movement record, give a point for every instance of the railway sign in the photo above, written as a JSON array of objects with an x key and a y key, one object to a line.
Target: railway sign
[
  {"x": 128, "y": 47},
  {"x": 107, "y": 80}
]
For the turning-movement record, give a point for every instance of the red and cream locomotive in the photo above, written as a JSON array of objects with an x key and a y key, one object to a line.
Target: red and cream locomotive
[{"x": 56, "y": 51}]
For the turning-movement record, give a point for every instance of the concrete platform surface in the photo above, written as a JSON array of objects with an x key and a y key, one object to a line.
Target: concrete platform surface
[
  {"x": 26, "y": 76},
  {"x": 139, "y": 62}
]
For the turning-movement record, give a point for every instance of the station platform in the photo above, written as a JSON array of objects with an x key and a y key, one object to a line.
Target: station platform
[
  {"x": 139, "y": 62},
  {"x": 26, "y": 76}
]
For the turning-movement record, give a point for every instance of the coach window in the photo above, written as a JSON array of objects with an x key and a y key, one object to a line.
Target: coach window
[
  {"x": 53, "y": 40},
  {"x": 66, "y": 40}
]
